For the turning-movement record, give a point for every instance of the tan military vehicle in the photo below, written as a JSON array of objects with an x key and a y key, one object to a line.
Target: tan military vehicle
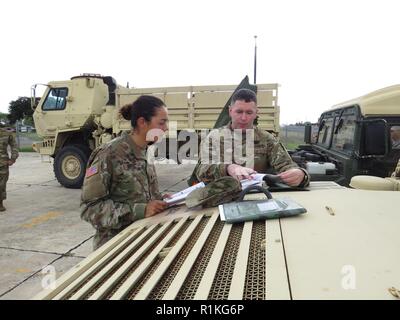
[
  {"x": 345, "y": 247},
  {"x": 77, "y": 115},
  {"x": 354, "y": 138}
]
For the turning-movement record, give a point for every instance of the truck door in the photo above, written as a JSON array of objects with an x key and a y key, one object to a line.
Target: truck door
[{"x": 52, "y": 113}]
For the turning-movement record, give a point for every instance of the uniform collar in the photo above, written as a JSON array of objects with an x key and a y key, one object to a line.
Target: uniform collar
[
  {"x": 257, "y": 133},
  {"x": 135, "y": 150}
]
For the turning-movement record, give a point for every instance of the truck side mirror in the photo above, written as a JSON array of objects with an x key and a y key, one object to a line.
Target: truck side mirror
[
  {"x": 33, "y": 97},
  {"x": 307, "y": 133},
  {"x": 374, "y": 138}
]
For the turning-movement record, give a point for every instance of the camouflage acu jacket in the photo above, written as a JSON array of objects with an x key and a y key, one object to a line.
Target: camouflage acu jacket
[
  {"x": 396, "y": 172},
  {"x": 118, "y": 184},
  {"x": 7, "y": 138},
  {"x": 265, "y": 154}
]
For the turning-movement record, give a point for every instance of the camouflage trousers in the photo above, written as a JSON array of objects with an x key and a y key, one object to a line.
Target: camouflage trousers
[
  {"x": 3, "y": 182},
  {"x": 103, "y": 235}
]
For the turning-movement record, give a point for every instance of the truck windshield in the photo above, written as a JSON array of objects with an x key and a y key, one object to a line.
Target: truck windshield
[
  {"x": 56, "y": 99},
  {"x": 343, "y": 138},
  {"x": 325, "y": 132}
]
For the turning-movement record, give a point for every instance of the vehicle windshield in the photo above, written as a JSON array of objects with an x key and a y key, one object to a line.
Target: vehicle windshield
[
  {"x": 325, "y": 132},
  {"x": 56, "y": 99},
  {"x": 343, "y": 137}
]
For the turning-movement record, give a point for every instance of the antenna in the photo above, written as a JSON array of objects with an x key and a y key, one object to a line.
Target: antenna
[{"x": 255, "y": 59}]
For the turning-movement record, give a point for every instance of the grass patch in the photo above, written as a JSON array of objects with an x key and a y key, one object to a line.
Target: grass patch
[
  {"x": 290, "y": 145},
  {"x": 26, "y": 149},
  {"x": 291, "y": 139}
]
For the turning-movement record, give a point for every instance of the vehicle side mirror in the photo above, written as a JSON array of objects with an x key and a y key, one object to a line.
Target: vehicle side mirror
[
  {"x": 375, "y": 140},
  {"x": 33, "y": 104},
  {"x": 307, "y": 133},
  {"x": 33, "y": 97}
]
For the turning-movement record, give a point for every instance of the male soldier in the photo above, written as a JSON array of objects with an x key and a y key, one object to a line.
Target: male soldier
[
  {"x": 269, "y": 153},
  {"x": 395, "y": 135},
  {"x": 6, "y": 139}
]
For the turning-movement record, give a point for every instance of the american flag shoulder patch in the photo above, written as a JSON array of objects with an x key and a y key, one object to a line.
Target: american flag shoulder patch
[{"x": 91, "y": 171}]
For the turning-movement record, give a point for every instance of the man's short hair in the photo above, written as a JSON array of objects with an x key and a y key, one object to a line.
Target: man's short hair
[{"x": 246, "y": 95}]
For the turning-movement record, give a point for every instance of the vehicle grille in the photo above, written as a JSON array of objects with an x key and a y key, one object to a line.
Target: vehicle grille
[{"x": 193, "y": 257}]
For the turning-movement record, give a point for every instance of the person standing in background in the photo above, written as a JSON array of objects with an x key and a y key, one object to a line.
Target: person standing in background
[{"x": 6, "y": 139}]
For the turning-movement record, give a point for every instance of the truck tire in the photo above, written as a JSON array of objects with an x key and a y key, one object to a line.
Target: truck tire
[{"x": 70, "y": 165}]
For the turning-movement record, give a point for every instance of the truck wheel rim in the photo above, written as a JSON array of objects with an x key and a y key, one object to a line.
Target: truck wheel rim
[{"x": 71, "y": 167}]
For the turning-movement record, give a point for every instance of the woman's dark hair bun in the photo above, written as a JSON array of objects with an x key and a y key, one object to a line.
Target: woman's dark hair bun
[
  {"x": 126, "y": 112},
  {"x": 144, "y": 106}
]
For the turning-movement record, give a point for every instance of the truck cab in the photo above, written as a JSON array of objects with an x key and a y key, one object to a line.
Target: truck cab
[
  {"x": 65, "y": 119},
  {"x": 353, "y": 138}
]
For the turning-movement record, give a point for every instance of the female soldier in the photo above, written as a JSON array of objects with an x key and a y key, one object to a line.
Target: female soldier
[{"x": 120, "y": 186}]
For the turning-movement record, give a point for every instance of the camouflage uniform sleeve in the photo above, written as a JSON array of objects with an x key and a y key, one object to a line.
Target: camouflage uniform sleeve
[
  {"x": 97, "y": 207},
  {"x": 154, "y": 186},
  {"x": 153, "y": 183},
  {"x": 14, "y": 147},
  {"x": 281, "y": 161},
  {"x": 206, "y": 169},
  {"x": 396, "y": 172}
]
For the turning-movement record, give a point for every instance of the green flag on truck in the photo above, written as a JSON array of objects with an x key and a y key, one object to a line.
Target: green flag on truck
[{"x": 223, "y": 118}]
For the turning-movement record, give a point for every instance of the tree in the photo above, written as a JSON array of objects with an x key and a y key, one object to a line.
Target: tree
[
  {"x": 3, "y": 117},
  {"x": 19, "y": 109}
]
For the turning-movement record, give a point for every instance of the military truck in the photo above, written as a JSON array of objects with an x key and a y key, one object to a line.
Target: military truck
[
  {"x": 345, "y": 247},
  {"x": 75, "y": 116},
  {"x": 353, "y": 138}
]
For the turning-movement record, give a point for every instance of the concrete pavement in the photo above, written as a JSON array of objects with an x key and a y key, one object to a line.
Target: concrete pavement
[{"x": 42, "y": 229}]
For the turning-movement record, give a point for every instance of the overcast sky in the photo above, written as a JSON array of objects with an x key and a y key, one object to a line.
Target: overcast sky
[{"x": 320, "y": 52}]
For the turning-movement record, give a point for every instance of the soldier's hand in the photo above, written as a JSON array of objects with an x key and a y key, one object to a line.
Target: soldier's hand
[
  {"x": 11, "y": 162},
  {"x": 239, "y": 172},
  {"x": 166, "y": 195},
  {"x": 292, "y": 177},
  {"x": 154, "y": 207}
]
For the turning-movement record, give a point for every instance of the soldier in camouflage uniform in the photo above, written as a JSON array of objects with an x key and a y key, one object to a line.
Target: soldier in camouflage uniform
[
  {"x": 396, "y": 172},
  {"x": 269, "y": 153},
  {"x": 6, "y": 139},
  {"x": 120, "y": 186},
  {"x": 395, "y": 136}
]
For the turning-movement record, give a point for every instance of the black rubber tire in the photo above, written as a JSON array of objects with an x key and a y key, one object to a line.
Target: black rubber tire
[{"x": 75, "y": 157}]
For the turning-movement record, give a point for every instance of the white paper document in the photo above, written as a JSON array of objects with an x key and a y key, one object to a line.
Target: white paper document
[
  {"x": 181, "y": 195},
  {"x": 221, "y": 212},
  {"x": 257, "y": 180}
]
